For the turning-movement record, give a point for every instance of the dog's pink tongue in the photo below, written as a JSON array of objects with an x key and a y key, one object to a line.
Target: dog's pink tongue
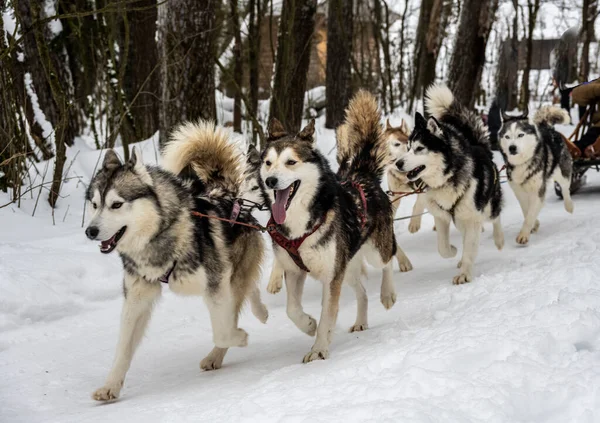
[{"x": 278, "y": 209}]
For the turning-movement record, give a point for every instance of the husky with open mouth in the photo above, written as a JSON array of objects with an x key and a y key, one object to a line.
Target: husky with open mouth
[
  {"x": 450, "y": 152},
  {"x": 327, "y": 224},
  {"x": 146, "y": 214},
  {"x": 397, "y": 181}
]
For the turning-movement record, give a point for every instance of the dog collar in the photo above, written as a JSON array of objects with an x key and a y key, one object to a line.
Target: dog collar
[
  {"x": 165, "y": 278},
  {"x": 290, "y": 245}
]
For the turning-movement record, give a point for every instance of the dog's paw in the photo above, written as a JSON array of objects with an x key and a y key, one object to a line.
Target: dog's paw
[
  {"x": 212, "y": 362},
  {"x": 358, "y": 327},
  {"x": 569, "y": 206},
  {"x": 309, "y": 325},
  {"x": 388, "y": 300},
  {"x": 448, "y": 253},
  {"x": 110, "y": 392},
  {"x": 499, "y": 241},
  {"x": 536, "y": 227},
  {"x": 405, "y": 265},
  {"x": 316, "y": 354},
  {"x": 260, "y": 312},
  {"x": 414, "y": 226},
  {"x": 274, "y": 286},
  {"x": 523, "y": 237},
  {"x": 462, "y": 277}
]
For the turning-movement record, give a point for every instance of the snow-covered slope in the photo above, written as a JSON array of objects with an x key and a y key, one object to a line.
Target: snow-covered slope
[{"x": 520, "y": 343}]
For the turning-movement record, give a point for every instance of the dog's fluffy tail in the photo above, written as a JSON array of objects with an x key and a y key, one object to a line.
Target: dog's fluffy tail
[
  {"x": 551, "y": 115},
  {"x": 442, "y": 105},
  {"x": 360, "y": 143},
  {"x": 207, "y": 150}
]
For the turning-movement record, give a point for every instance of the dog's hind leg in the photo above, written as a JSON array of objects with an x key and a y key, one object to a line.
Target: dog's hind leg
[
  {"x": 140, "y": 297},
  {"x": 471, "y": 233},
  {"x": 403, "y": 261},
  {"x": 276, "y": 278},
  {"x": 329, "y": 312},
  {"x": 294, "y": 283},
  {"x": 224, "y": 309},
  {"x": 445, "y": 249},
  {"x": 565, "y": 189},
  {"x": 417, "y": 214},
  {"x": 498, "y": 234},
  {"x": 256, "y": 305},
  {"x": 353, "y": 278}
]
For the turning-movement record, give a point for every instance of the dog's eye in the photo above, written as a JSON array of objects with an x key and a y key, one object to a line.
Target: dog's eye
[
  {"x": 419, "y": 149},
  {"x": 521, "y": 135},
  {"x": 291, "y": 162},
  {"x": 116, "y": 205},
  {"x": 94, "y": 205},
  {"x": 268, "y": 163},
  {"x": 255, "y": 188},
  {"x": 507, "y": 137},
  {"x": 396, "y": 144}
]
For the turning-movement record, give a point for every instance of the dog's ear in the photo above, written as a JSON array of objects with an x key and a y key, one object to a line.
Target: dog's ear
[
  {"x": 253, "y": 156},
  {"x": 404, "y": 128},
  {"x": 111, "y": 160},
  {"x": 387, "y": 125},
  {"x": 420, "y": 122},
  {"x": 434, "y": 127},
  {"x": 135, "y": 163},
  {"x": 307, "y": 132},
  {"x": 275, "y": 130}
]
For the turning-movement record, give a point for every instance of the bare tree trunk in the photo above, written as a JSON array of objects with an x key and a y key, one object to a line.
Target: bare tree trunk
[
  {"x": 257, "y": 10},
  {"x": 186, "y": 51},
  {"x": 533, "y": 7},
  {"x": 506, "y": 73},
  {"x": 141, "y": 82},
  {"x": 589, "y": 14},
  {"x": 237, "y": 66},
  {"x": 468, "y": 57},
  {"x": 296, "y": 29},
  {"x": 401, "y": 49},
  {"x": 387, "y": 58},
  {"x": 338, "y": 87},
  {"x": 420, "y": 40}
]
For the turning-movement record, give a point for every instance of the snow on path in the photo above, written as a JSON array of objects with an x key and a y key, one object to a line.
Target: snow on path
[{"x": 520, "y": 343}]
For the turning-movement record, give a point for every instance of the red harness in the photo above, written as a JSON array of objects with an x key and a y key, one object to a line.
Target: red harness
[
  {"x": 362, "y": 214},
  {"x": 290, "y": 245}
]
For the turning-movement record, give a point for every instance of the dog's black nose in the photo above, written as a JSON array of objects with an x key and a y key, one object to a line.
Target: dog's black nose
[
  {"x": 512, "y": 149},
  {"x": 400, "y": 165},
  {"x": 271, "y": 182},
  {"x": 92, "y": 232}
]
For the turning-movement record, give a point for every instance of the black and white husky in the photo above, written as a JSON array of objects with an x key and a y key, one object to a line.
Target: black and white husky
[
  {"x": 535, "y": 154},
  {"x": 346, "y": 218},
  {"x": 145, "y": 213},
  {"x": 451, "y": 154}
]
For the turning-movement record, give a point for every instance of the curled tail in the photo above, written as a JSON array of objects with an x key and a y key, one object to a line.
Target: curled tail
[
  {"x": 360, "y": 143},
  {"x": 207, "y": 150},
  {"x": 442, "y": 105},
  {"x": 551, "y": 115}
]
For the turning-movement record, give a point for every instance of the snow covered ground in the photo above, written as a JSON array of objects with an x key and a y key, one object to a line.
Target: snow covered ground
[{"x": 519, "y": 344}]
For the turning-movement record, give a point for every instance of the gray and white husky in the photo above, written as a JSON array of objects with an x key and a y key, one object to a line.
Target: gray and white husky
[
  {"x": 450, "y": 152},
  {"x": 535, "y": 154},
  {"x": 145, "y": 213},
  {"x": 309, "y": 201}
]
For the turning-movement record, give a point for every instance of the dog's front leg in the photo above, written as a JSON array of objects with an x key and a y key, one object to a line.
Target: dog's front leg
[
  {"x": 471, "y": 232},
  {"x": 418, "y": 210},
  {"x": 445, "y": 249},
  {"x": 140, "y": 297},
  {"x": 276, "y": 278},
  {"x": 535, "y": 205},
  {"x": 329, "y": 311},
  {"x": 294, "y": 283}
]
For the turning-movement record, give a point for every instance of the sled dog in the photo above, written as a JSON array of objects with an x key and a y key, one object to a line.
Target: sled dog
[
  {"x": 145, "y": 213},
  {"x": 450, "y": 152},
  {"x": 534, "y": 154},
  {"x": 333, "y": 222}
]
